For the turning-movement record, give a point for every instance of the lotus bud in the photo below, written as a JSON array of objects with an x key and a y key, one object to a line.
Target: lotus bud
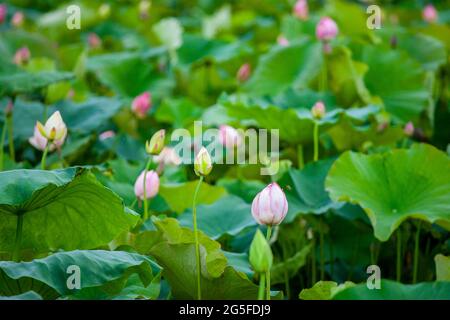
[
  {"x": 244, "y": 72},
  {"x": 55, "y": 129},
  {"x": 104, "y": 10},
  {"x": 260, "y": 255},
  {"x": 107, "y": 135},
  {"x": 3, "y": 12},
  {"x": 94, "y": 41},
  {"x": 156, "y": 143},
  {"x": 318, "y": 110},
  {"x": 301, "y": 9},
  {"x": 409, "y": 129},
  {"x": 22, "y": 56},
  {"x": 203, "y": 163},
  {"x": 9, "y": 109},
  {"x": 282, "y": 41},
  {"x": 151, "y": 185},
  {"x": 39, "y": 141},
  {"x": 326, "y": 29},
  {"x": 430, "y": 14},
  {"x": 270, "y": 205},
  {"x": 17, "y": 19},
  {"x": 168, "y": 156},
  {"x": 229, "y": 137},
  {"x": 141, "y": 104}
]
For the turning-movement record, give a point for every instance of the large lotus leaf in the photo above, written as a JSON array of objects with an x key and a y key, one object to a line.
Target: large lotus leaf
[
  {"x": 244, "y": 189},
  {"x": 290, "y": 266},
  {"x": 179, "y": 196},
  {"x": 228, "y": 215},
  {"x": 356, "y": 26},
  {"x": 391, "y": 290},
  {"x": 24, "y": 82},
  {"x": 305, "y": 189},
  {"x": 180, "y": 113},
  {"x": 173, "y": 248},
  {"x": 324, "y": 290},
  {"x": 30, "y": 295},
  {"x": 394, "y": 186},
  {"x": 61, "y": 209},
  {"x": 283, "y": 67},
  {"x": 405, "y": 95},
  {"x": 107, "y": 271},
  {"x": 442, "y": 267}
]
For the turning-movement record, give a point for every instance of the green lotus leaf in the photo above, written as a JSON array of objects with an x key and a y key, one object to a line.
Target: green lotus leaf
[
  {"x": 62, "y": 209},
  {"x": 25, "y": 82},
  {"x": 228, "y": 215},
  {"x": 105, "y": 271},
  {"x": 324, "y": 290},
  {"x": 290, "y": 266},
  {"x": 442, "y": 267},
  {"x": 394, "y": 186},
  {"x": 180, "y": 113},
  {"x": 30, "y": 295},
  {"x": 391, "y": 290}
]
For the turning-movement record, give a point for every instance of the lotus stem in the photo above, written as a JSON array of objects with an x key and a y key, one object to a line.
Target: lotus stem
[
  {"x": 9, "y": 123},
  {"x": 268, "y": 235},
  {"x": 18, "y": 241},
  {"x": 147, "y": 167},
  {"x": 416, "y": 252},
  {"x": 262, "y": 280},
  {"x": 2, "y": 143},
  {"x": 313, "y": 262},
  {"x": 197, "y": 244},
  {"x": 322, "y": 256},
  {"x": 316, "y": 141},
  {"x": 44, "y": 156}
]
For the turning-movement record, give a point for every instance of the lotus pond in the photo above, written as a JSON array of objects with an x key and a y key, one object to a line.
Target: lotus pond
[{"x": 253, "y": 149}]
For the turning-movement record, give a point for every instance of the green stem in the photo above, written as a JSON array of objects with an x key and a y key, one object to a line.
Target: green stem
[
  {"x": 322, "y": 256},
  {"x": 323, "y": 75},
  {"x": 313, "y": 261},
  {"x": 301, "y": 161},
  {"x": 262, "y": 280},
  {"x": 18, "y": 241},
  {"x": 268, "y": 235},
  {"x": 12, "y": 154},
  {"x": 44, "y": 156},
  {"x": 399, "y": 254},
  {"x": 316, "y": 141},
  {"x": 197, "y": 244},
  {"x": 2, "y": 143},
  {"x": 416, "y": 253},
  {"x": 147, "y": 167}
]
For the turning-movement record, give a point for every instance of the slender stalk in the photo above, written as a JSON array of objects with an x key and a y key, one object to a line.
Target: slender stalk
[
  {"x": 12, "y": 153},
  {"x": 313, "y": 262},
  {"x": 316, "y": 141},
  {"x": 416, "y": 252},
  {"x": 197, "y": 244},
  {"x": 262, "y": 280},
  {"x": 324, "y": 75},
  {"x": 322, "y": 256},
  {"x": 286, "y": 283},
  {"x": 147, "y": 167},
  {"x": 2, "y": 143},
  {"x": 301, "y": 161},
  {"x": 399, "y": 254},
  {"x": 268, "y": 235},
  {"x": 18, "y": 241},
  {"x": 44, "y": 156}
]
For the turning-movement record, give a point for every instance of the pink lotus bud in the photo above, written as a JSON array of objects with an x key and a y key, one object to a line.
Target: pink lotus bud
[
  {"x": 409, "y": 129},
  {"x": 301, "y": 9},
  {"x": 151, "y": 185},
  {"x": 22, "y": 56},
  {"x": 244, "y": 72},
  {"x": 17, "y": 19},
  {"x": 156, "y": 143},
  {"x": 39, "y": 141},
  {"x": 9, "y": 109},
  {"x": 107, "y": 135},
  {"x": 94, "y": 41},
  {"x": 326, "y": 29},
  {"x": 168, "y": 156},
  {"x": 229, "y": 137},
  {"x": 318, "y": 110},
  {"x": 141, "y": 104},
  {"x": 270, "y": 205},
  {"x": 3, "y": 12},
  {"x": 282, "y": 41},
  {"x": 55, "y": 129},
  {"x": 430, "y": 14}
]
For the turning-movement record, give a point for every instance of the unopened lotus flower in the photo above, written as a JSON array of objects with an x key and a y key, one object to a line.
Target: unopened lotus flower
[
  {"x": 282, "y": 41},
  {"x": 3, "y": 11},
  {"x": 203, "y": 163},
  {"x": 168, "y": 156},
  {"x": 270, "y": 206},
  {"x": 409, "y": 129},
  {"x": 318, "y": 110},
  {"x": 156, "y": 143},
  {"x": 55, "y": 130},
  {"x": 151, "y": 185},
  {"x": 229, "y": 137},
  {"x": 17, "y": 19},
  {"x": 301, "y": 9},
  {"x": 141, "y": 104},
  {"x": 94, "y": 41},
  {"x": 107, "y": 135},
  {"x": 244, "y": 72},
  {"x": 430, "y": 14},
  {"x": 326, "y": 29},
  {"x": 22, "y": 56},
  {"x": 39, "y": 141}
]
